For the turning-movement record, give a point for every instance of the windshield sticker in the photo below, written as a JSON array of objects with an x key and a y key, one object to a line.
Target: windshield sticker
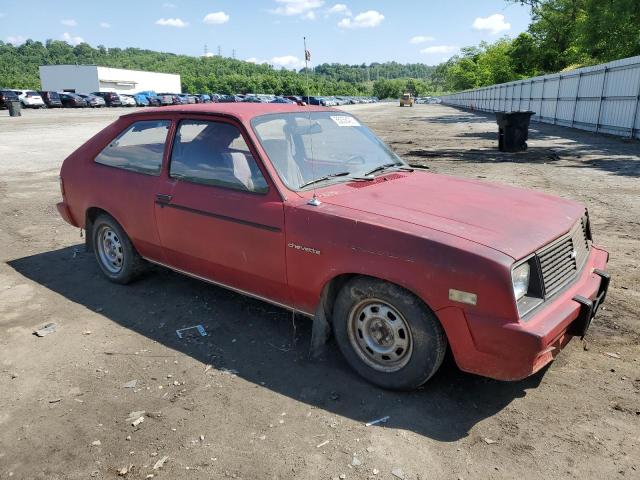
[{"x": 345, "y": 121}]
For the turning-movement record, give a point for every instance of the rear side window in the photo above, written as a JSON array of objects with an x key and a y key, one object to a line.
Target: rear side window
[{"x": 139, "y": 148}]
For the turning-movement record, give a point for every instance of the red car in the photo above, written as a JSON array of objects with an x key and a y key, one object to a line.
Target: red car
[{"x": 307, "y": 209}]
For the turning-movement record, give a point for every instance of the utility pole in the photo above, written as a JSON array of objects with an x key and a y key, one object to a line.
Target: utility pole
[
  {"x": 206, "y": 50},
  {"x": 219, "y": 51},
  {"x": 233, "y": 53}
]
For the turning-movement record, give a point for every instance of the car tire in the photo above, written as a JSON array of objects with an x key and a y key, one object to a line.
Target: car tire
[
  {"x": 115, "y": 254},
  {"x": 387, "y": 335}
]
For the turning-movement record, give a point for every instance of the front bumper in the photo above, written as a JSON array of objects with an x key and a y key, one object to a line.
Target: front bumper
[{"x": 507, "y": 350}]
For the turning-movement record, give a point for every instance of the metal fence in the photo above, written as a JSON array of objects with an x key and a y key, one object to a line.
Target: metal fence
[{"x": 603, "y": 98}]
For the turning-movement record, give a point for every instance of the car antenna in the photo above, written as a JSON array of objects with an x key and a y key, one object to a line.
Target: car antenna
[{"x": 314, "y": 201}]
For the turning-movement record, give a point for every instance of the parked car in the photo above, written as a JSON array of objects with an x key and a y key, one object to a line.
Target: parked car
[
  {"x": 72, "y": 100},
  {"x": 51, "y": 99},
  {"x": 30, "y": 99},
  {"x": 319, "y": 101},
  {"x": 402, "y": 264},
  {"x": 93, "y": 101},
  {"x": 154, "y": 101},
  {"x": 166, "y": 99},
  {"x": 152, "y": 97},
  {"x": 252, "y": 99},
  {"x": 127, "y": 100},
  {"x": 111, "y": 99},
  {"x": 140, "y": 100},
  {"x": 229, "y": 99},
  {"x": 7, "y": 96},
  {"x": 281, "y": 100},
  {"x": 297, "y": 99},
  {"x": 175, "y": 98}
]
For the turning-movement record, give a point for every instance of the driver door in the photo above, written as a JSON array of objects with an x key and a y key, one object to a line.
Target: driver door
[{"x": 217, "y": 216}]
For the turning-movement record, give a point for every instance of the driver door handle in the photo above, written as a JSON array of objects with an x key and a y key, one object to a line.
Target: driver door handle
[{"x": 163, "y": 198}]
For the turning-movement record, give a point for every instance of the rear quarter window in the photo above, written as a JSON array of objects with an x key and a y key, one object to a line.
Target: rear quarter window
[{"x": 139, "y": 148}]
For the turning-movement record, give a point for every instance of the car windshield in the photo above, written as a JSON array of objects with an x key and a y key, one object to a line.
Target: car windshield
[{"x": 312, "y": 147}]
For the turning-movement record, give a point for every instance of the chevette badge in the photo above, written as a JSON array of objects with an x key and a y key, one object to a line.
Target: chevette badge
[{"x": 303, "y": 248}]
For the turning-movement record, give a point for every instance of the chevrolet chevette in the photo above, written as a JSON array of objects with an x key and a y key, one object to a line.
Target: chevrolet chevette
[{"x": 305, "y": 208}]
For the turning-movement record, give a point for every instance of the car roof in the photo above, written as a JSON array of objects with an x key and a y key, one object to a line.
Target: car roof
[{"x": 243, "y": 111}]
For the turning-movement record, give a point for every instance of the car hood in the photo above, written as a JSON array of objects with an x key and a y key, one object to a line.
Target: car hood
[{"x": 514, "y": 221}]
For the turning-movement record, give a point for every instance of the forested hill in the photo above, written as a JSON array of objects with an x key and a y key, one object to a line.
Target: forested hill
[
  {"x": 19, "y": 69},
  {"x": 374, "y": 71}
]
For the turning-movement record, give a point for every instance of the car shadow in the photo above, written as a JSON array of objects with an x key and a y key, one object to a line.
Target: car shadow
[
  {"x": 483, "y": 155},
  {"x": 268, "y": 346}
]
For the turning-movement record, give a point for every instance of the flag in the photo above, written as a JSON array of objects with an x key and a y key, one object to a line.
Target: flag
[{"x": 307, "y": 55}]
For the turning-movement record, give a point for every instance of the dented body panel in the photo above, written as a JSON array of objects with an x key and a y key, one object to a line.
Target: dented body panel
[{"x": 427, "y": 233}]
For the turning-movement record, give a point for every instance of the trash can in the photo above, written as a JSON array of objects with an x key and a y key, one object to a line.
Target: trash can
[
  {"x": 15, "y": 109},
  {"x": 513, "y": 130}
]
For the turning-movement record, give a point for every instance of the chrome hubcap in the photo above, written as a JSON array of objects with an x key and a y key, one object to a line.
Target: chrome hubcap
[
  {"x": 380, "y": 335},
  {"x": 110, "y": 250}
]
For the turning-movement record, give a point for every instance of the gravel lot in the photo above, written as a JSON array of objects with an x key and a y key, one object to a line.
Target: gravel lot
[{"x": 245, "y": 402}]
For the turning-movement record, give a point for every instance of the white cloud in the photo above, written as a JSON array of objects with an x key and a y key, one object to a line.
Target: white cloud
[
  {"x": 340, "y": 8},
  {"x": 216, "y": 18},
  {"x": 172, "y": 22},
  {"x": 69, "y": 22},
  {"x": 71, "y": 40},
  {"x": 439, "y": 49},
  {"x": 310, "y": 15},
  {"x": 368, "y": 19},
  {"x": 290, "y": 62},
  {"x": 296, "y": 7},
  {"x": 105, "y": 25},
  {"x": 494, "y": 24},
  {"x": 287, "y": 61},
  {"x": 16, "y": 40},
  {"x": 421, "y": 39}
]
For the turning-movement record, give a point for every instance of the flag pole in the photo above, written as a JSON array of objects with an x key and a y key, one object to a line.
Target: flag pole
[
  {"x": 315, "y": 201},
  {"x": 307, "y": 56}
]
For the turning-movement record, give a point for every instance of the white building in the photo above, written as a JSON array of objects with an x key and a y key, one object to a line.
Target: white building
[{"x": 91, "y": 78}]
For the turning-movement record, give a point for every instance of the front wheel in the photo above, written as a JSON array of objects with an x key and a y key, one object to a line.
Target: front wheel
[
  {"x": 114, "y": 252},
  {"x": 387, "y": 334}
]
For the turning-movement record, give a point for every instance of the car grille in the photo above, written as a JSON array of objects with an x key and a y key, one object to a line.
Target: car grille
[{"x": 561, "y": 261}]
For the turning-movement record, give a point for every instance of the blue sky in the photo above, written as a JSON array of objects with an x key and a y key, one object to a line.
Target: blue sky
[{"x": 343, "y": 31}]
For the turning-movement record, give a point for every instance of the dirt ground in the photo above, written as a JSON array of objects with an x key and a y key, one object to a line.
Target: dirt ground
[{"x": 245, "y": 402}]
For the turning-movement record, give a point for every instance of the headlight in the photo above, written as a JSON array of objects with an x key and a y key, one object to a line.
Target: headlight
[{"x": 520, "y": 278}]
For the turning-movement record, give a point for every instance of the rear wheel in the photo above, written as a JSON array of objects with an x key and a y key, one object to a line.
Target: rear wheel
[
  {"x": 114, "y": 252},
  {"x": 388, "y": 335}
]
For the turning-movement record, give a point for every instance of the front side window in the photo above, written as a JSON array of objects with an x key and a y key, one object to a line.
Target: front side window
[
  {"x": 307, "y": 146},
  {"x": 214, "y": 153},
  {"x": 139, "y": 148}
]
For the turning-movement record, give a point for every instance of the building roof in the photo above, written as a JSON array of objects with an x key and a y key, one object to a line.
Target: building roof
[
  {"x": 243, "y": 111},
  {"x": 89, "y": 65}
]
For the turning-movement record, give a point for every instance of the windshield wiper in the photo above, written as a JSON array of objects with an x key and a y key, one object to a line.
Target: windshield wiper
[
  {"x": 384, "y": 166},
  {"x": 322, "y": 179}
]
